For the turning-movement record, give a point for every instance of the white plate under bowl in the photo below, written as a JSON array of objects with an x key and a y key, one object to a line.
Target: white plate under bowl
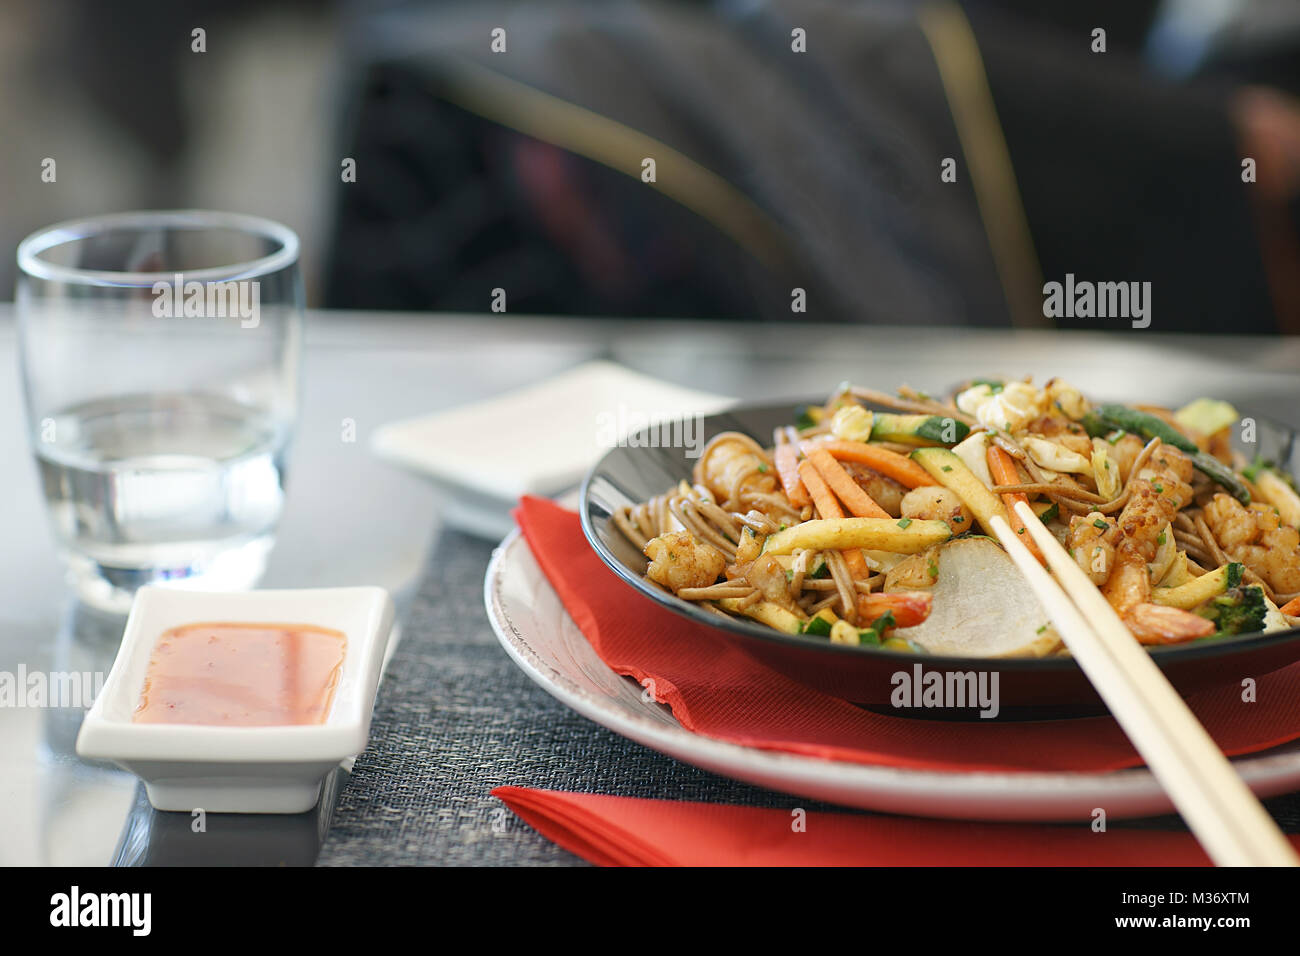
[
  {"x": 537, "y": 632},
  {"x": 240, "y": 769}
]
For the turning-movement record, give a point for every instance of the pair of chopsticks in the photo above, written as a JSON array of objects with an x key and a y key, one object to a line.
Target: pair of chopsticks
[{"x": 1229, "y": 822}]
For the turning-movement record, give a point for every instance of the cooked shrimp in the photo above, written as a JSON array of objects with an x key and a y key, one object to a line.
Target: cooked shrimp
[
  {"x": 931, "y": 502},
  {"x": 1063, "y": 432},
  {"x": 883, "y": 491},
  {"x": 734, "y": 466},
  {"x": 1125, "y": 452},
  {"x": 914, "y": 572},
  {"x": 767, "y": 574},
  {"x": 1091, "y": 542},
  {"x": 680, "y": 560},
  {"x": 1256, "y": 537},
  {"x": 1157, "y": 494}
]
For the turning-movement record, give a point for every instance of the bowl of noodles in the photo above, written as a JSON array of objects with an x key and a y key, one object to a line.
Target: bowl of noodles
[{"x": 846, "y": 542}]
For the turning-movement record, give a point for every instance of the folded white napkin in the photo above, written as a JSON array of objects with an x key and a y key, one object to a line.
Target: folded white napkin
[{"x": 536, "y": 440}]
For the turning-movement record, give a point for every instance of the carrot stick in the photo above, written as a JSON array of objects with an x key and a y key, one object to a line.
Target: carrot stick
[
  {"x": 1003, "y": 470},
  {"x": 828, "y": 507},
  {"x": 786, "y": 458},
  {"x": 889, "y": 463},
  {"x": 846, "y": 489},
  {"x": 1291, "y": 608}
]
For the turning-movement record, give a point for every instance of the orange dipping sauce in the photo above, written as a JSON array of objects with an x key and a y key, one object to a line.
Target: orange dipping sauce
[{"x": 250, "y": 675}]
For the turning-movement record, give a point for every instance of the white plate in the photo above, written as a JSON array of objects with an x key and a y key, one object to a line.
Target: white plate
[
  {"x": 482, "y": 457},
  {"x": 539, "y": 634},
  {"x": 240, "y": 769}
]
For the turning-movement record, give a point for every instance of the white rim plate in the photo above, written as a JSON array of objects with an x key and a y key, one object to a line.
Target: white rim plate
[{"x": 536, "y": 631}]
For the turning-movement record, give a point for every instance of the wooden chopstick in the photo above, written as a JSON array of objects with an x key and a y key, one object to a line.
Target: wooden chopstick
[{"x": 1229, "y": 822}]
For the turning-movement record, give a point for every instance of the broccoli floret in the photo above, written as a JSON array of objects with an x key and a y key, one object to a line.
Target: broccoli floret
[{"x": 1238, "y": 610}]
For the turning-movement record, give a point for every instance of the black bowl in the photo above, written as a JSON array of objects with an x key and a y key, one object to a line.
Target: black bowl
[{"x": 1028, "y": 688}]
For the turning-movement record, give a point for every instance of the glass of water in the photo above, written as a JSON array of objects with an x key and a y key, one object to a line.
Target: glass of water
[{"x": 160, "y": 356}]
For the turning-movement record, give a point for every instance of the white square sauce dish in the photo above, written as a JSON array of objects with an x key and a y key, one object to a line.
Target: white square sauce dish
[{"x": 230, "y": 756}]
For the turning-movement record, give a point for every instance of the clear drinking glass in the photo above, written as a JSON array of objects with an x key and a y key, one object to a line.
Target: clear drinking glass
[{"x": 160, "y": 356}]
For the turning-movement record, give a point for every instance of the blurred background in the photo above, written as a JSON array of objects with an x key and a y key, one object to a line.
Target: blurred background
[{"x": 522, "y": 168}]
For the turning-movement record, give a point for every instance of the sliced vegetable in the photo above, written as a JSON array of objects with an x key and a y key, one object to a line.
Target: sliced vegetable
[
  {"x": 1291, "y": 608},
  {"x": 1106, "y": 417},
  {"x": 842, "y": 632},
  {"x": 882, "y": 534},
  {"x": 1237, "y": 611},
  {"x": 1003, "y": 470},
  {"x": 1206, "y": 415},
  {"x": 786, "y": 458},
  {"x": 827, "y": 504},
  {"x": 875, "y": 633},
  {"x": 1056, "y": 457},
  {"x": 829, "y": 508},
  {"x": 765, "y": 612},
  {"x": 974, "y": 454},
  {"x": 889, "y": 463},
  {"x": 1166, "y": 550},
  {"x": 918, "y": 429},
  {"x": 951, "y": 472},
  {"x": 857, "y": 501},
  {"x": 821, "y": 623},
  {"x": 1104, "y": 471},
  {"x": 1199, "y": 590},
  {"x": 852, "y": 423},
  {"x": 1178, "y": 574},
  {"x": 1217, "y": 471}
]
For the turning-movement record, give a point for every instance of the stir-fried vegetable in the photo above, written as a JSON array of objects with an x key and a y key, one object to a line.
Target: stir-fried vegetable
[
  {"x": 1207, "y": 415},
  {"x": 1199, "y": 590},
  {"x": 828, "y": 506},
  {"x": 766, "y": 612},
  {"x": 973, "y": 453},
  {"x": 919, "y": 429},
  {"x": 1003, "y": 470},
  {"x": 852, "y": 423},
  {"x": 858, "y": 502},
  {"x": 1238, "y": 611},
  {"x": 889, "y": 463},
  {"x": 883, "y": 534},
  {"x": 856, "y": 528}
]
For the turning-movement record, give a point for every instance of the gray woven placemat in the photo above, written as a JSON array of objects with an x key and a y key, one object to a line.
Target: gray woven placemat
[{"x": 456, "y": 718}]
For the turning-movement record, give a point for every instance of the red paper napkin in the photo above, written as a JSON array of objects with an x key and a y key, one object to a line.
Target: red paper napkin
[
  {"x": 625, "y": 831},
  {"x": 719, "y": 692}
]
